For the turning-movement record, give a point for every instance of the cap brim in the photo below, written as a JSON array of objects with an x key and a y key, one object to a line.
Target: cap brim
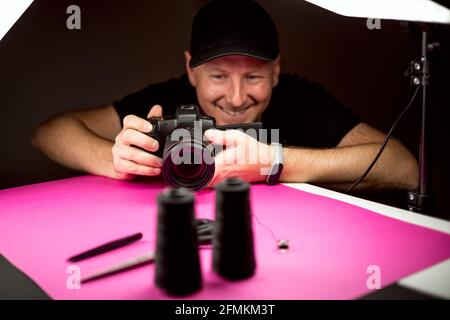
[{"x": 217, "y": 52}]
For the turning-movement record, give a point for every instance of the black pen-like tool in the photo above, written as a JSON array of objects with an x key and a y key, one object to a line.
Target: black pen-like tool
[{"x": 107, "y": 247}]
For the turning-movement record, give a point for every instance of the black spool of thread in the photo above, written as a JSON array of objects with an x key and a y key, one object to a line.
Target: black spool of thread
[
  {"x": 177, "y": 269},
  {"x": 233, "y": 250}
]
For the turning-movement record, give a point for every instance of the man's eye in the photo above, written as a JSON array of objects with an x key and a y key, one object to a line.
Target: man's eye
[
  {"x": 253, "y": 77},
  {"x": 218, "y": 76}
]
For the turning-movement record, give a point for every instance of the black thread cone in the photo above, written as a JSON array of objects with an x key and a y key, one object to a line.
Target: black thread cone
[
  {"x": 233, "y": 250},
  {"x": 177, "y": 261}
]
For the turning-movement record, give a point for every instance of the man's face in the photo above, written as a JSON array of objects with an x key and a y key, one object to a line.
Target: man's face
[{"x": 235, "y": 88}]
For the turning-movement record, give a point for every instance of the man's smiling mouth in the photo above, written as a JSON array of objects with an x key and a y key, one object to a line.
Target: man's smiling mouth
[{"x": 234, "y": 113}]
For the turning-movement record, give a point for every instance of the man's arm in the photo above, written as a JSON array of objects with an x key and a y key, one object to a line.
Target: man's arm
[
  {"x": 93, "y": 141},
  {"x": 339, "y": 167},
  {"x": 81, "y": 140}
]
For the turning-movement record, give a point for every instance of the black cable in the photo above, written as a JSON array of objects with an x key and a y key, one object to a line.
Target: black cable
[{"x": 384, "y": 143}]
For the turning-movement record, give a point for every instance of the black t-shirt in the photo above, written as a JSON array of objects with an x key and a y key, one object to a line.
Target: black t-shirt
[{"x": 304, "y": 112}]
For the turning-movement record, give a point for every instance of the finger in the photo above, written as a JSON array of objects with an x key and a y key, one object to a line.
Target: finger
[
  {"x": 138, "y": 156},
  {"x": 130, "y": 167},
  {"x": 155, "y": 111},
  {"x": 134, "y": 122},
  {"x": 138, "y": 139},
  {"x": 213, "y": 181},
  {"x": 227, "y": 138},
  {"x": 216, "y": 180},
  {"x": 124, "y": 176},
  {"x": 217, "y": 174},
  {"x": 226, "y": 157}
]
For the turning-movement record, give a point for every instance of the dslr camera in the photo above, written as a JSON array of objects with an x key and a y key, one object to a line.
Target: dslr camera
[{"x": 188, "y": 156}]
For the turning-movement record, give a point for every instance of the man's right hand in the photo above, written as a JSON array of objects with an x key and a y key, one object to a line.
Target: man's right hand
[{"x": 130, "y": 161}]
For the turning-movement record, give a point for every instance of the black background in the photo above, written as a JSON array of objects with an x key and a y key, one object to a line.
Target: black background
[{"x": 125, "y": 45}]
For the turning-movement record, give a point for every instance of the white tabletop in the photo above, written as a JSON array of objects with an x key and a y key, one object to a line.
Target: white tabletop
[{"x": 435, "y": 280}]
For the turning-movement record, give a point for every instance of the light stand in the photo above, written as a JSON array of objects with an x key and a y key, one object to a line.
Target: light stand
[
  {"x": 422, "y": 11},
  {"x": 421, "y": 200}
]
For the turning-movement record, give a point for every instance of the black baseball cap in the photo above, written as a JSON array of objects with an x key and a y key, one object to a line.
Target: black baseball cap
[{"x": 226, "y": 27}]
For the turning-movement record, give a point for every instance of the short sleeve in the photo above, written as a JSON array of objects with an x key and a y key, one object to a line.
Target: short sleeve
[{"x": 308, "y": 115}]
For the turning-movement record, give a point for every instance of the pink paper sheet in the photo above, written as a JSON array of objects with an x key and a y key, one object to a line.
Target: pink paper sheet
[{"x": 331, "y": 243}]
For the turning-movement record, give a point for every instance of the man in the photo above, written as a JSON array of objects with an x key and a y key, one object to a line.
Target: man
[{"x": 233, "y": 74}]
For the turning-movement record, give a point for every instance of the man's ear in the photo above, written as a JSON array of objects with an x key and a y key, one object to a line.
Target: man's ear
[
  {"x": 276, "y": 71},
  {"x": 190, "y": 72}
]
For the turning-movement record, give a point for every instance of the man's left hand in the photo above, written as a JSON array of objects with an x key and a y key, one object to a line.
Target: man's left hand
[{"x": 243, "y": 156}]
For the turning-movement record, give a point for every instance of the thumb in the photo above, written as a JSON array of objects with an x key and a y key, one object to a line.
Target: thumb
[
  {"x": 155, "y": 111},
  {"x": 222, "y": 137}
]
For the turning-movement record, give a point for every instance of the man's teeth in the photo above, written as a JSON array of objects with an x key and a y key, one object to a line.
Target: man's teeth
[{"x": 234, "y": 113}]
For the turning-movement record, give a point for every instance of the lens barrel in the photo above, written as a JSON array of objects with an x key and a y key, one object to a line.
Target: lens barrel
[{"x": 188, "y": 163}]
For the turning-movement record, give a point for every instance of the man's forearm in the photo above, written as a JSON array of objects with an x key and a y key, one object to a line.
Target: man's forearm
[
  {"x": 66, "y": 140},
  {"x": 340, "y": 167}
]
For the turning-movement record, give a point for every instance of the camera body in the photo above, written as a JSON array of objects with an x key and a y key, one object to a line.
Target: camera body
[{"x": 188, "y": 156}]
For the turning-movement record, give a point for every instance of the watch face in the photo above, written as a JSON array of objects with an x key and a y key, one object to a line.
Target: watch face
[
  {"x": 275, "y": 174},
  {"x": 277, "y": 165}
]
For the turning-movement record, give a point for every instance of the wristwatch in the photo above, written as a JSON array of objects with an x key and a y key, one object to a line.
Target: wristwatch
[{"x": 277, "y": 164}]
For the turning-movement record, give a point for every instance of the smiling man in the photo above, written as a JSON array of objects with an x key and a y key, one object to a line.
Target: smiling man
[{"x": 233, "y": 74}]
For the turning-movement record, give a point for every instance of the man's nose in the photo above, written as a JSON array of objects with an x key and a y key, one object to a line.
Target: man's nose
[{"x": 237, "y": 94}]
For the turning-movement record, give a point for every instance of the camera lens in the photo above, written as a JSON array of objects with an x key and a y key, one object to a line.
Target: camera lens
[{"x": 188, "y": 164}]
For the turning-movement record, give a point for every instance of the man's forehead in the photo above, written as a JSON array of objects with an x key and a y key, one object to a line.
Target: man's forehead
[{"x": 239, "y": 61}]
